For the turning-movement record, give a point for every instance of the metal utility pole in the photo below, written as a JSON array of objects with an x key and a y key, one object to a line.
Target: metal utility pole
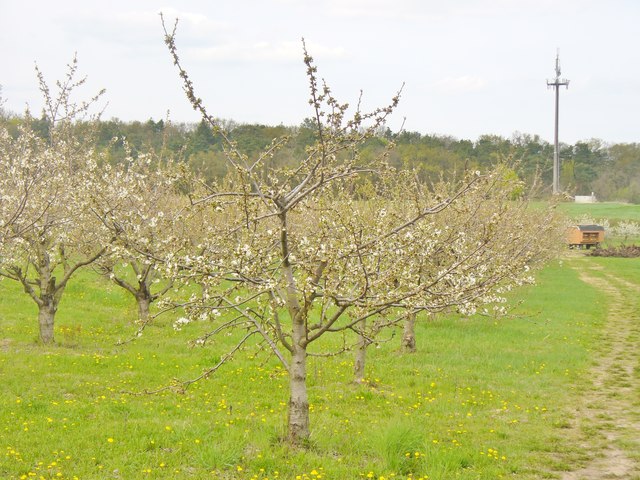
[{"x": 556, "y": 84}]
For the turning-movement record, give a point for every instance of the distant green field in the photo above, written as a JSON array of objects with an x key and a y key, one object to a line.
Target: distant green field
[
  {"x": 481, "y": 399},
  {"x": 613, "y": 211}
]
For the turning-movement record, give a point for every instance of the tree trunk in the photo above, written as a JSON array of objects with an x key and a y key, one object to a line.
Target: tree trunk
[
  {"x": 298, "y": 418},
  {"x": 46, "y": 316},
  {"x": 409, "y": 334},
  {"x": 298, "y": 401},
  {"x": 144, "y": 301},
  {"x": 360, "y": 360}
]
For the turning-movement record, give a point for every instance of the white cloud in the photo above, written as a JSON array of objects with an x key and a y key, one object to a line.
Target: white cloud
[
  {"x": 137, "y": 28},
  {"x": 381, "y": 9},
  {"x": 195, "y": 23},
  {"x": 263, "y": 51},
  {"x": 437, "y": 10},
  {"x": 463, "y": 84}
]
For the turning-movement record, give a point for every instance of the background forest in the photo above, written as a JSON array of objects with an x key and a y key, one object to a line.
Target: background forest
[{"x": 611, "y": 171}]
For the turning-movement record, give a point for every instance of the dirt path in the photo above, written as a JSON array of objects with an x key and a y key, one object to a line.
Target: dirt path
[{"x": 608, "y": 414}]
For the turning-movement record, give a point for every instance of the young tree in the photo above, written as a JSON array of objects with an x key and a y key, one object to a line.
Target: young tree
[
  {"x": 336, "y": 243},
  {"x": 49, "y": 179},
  {"x": 138, "y": 202},
  {"x": 500, "y": 240}
]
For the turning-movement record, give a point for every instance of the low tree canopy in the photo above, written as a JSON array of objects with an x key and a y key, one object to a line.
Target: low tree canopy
[
  {"x": 49, "y": 228},
  {"x": 340, "y": 241}
]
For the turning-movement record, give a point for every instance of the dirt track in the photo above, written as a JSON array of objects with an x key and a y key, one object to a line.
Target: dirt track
[{"x": 607, "y": 425}]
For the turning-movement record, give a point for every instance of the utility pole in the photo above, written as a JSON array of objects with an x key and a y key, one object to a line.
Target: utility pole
[{"x": 556, "y": 84}]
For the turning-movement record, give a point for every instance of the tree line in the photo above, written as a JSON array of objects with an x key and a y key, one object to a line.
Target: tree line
[{"x": 611, "y": 171}]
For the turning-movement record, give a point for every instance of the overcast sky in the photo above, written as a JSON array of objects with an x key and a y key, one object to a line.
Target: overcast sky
[{"x": 469, "y": 67}]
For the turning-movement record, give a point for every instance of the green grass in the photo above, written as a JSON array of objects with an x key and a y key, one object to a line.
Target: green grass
[
  {"x": 614, "y": 211},
  {"x": 481, "y": 399},
  {"x": 627, "y": 268}
]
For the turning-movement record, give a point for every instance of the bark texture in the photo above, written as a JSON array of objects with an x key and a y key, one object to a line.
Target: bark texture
[
  {"x": 46, "y": 317},
  {"x": 359, "y": 364},
  {"x": 298, "y": 421},
  {"x": 409, "y": 334},
  {"x": 144, "y": 302}
]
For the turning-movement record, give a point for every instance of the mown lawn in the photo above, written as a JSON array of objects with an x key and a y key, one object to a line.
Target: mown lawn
[
  {"x": 613, "y": 211},
  {"x": 481, "y": 399}
]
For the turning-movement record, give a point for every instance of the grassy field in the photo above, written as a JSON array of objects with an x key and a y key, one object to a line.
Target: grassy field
[
  {"x": 613, "y": 211},
  {"x": 482, "y": 399}
]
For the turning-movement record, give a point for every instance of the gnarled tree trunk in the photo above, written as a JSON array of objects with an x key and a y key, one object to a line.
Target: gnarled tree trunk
[
  {"x": 144, "y": 302},
  {"x": 46, "y": 316},
  {"x": 360, "y": 361},
  {"x": 409, "y": 334},
  {"x": 298, "y": 419}
]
